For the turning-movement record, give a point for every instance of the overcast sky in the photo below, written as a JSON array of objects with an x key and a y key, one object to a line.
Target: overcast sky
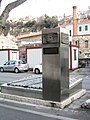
[{"x": 37, "y": 8}]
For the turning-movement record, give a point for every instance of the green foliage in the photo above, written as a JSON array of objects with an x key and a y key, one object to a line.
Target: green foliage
[
  {"x": 50, "y": 22},
  {"x": 19, "y": 24},
  {"x": 30, "y": 23},
  {"x": 34, "y": 26},
  {"x": 47, "y": 22}
]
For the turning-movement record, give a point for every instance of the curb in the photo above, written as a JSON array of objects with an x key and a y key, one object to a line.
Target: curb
[{"x": 44, "y": 102}]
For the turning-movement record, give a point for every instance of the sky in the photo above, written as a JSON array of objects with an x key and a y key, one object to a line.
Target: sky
[{"x": 37, "y": 8}]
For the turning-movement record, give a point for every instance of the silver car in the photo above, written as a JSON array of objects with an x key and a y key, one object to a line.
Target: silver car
[{"x": 15, "y": 65}]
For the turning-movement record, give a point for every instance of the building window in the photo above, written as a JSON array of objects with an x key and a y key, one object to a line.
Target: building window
[
  {"x": 80, "y": 52},
  {"x": 70, "y": 32},
  {"x": 75, "y": 58},
  {"x": 86, "y": 27},
  {"x": 76, "y": 42},
  {"x": 86, "y": 44},
  {"x": 80, "y": 28}
]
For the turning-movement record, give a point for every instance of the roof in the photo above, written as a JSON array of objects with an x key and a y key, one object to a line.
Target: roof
[
  {"x": 31, "y": 34},
  {"x": 84, "y": 21}
]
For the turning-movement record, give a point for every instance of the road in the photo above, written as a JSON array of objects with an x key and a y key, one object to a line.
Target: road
[
  {"x": 86, "y": 83},
  {"x": 17, "y": 111},
  {"x": 11, "y": 110},
  {"x": 11, "y": 76}
]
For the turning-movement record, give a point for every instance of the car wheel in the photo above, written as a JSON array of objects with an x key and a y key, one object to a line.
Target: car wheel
[
  {"x": 16, "y": 70},
  {"x": 1, "y": 69},
  {"x": 37, "y": 71}
]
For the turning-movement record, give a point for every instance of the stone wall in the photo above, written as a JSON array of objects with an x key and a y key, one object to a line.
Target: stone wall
[{"x": 84, "y": 52}]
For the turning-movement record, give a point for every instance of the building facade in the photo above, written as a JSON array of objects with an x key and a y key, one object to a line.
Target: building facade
[
  {"x": 8, "y": 42},
  {"x": 78, "y": 28},
  {"x": 33, "y": 39}
]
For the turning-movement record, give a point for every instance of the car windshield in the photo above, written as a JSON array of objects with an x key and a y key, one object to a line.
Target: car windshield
[{"x": 21, "y": 62}]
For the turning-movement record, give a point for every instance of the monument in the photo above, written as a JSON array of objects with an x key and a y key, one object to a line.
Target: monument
[{"x": 55, "y": 64}]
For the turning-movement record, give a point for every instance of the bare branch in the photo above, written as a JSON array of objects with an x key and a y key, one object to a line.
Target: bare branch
[
  {"x": 5, "y": 13},
  {"x": 9, "y": 7}
]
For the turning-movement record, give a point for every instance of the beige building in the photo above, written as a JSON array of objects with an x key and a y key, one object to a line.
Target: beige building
[
  {"x": 8, "y": 42},
  {"x": 33, "y": 38},
  {"x": 28, "y": 40}
]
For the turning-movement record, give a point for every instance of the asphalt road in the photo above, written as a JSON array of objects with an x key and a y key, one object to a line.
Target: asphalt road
[
  {"x": 10, "y": 110},
  {"x": 86, "y": 83},
  {"x": 16, "y": 111},
  {"x": 11, "y": 76},
  {"x": 85, "y": 74}
]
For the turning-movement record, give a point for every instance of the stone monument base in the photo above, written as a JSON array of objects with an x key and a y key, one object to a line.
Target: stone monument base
[{"x": 43, "y": 102}]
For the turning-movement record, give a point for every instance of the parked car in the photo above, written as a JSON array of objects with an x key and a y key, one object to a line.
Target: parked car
[
  {"x": 15, "y": 65},
  {"x": 37, "y": 69}
]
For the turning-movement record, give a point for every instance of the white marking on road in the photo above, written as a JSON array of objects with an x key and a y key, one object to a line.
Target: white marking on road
[{"x": 37, "y": 113}]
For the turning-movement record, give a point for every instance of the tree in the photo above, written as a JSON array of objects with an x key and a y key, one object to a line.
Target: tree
[
  {"x": 47, "y": 22},
  {"x": 5, "y": 15},
  {"x": 30, "y": 23}
]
